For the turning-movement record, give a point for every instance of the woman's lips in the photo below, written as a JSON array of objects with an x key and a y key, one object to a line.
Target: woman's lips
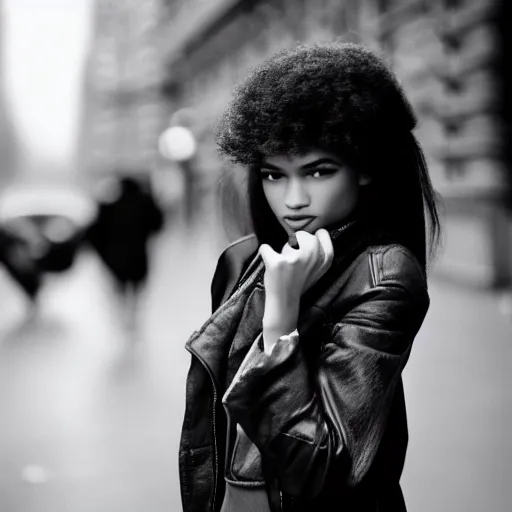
[{"x": 298, "y": 222}]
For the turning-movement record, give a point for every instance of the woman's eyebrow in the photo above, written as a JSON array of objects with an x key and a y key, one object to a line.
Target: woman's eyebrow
[
  {"x": 266, "y": 165},
  {"x": 309, "y": 165},
  {"x": 319, "y": 162}
]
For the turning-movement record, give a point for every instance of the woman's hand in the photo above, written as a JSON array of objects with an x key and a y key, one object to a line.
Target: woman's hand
[{"x": 287, "y": 276}]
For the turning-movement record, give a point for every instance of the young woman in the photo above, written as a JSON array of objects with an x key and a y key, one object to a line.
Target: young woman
[{"x": 294, "y": 396}]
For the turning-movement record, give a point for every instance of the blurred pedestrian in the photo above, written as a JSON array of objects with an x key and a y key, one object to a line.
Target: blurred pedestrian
[
  {"x": 127, "y": 217},
  {"x": 16, "y": 257},
  {"x": 294, "y": 397}
]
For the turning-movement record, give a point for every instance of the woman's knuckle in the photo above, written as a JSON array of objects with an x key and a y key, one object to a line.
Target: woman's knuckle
[
  {"x": 294, "y": 260},
  {"x": 278, "y": 264}
]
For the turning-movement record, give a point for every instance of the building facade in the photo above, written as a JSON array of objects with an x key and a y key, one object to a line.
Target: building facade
[
  {"x": 123, "y": 108},
  {"x": 449, "y": 56},
  {"x": 9, "y": 142}
]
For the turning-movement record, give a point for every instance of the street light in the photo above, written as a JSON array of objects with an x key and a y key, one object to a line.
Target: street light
[{"x": 178, "y": 143}]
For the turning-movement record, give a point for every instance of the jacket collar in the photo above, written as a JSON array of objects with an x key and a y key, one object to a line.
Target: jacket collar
[{"x": 338, "y": 232}]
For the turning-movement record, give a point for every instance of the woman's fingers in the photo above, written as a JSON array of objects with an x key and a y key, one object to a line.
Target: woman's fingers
[
  {"x": 305, "y": 240},
  {"x": 288, "y": 249},
  {"x": 327, "y": 248},
  {"x": 303, "y": 266},
  {"x": 319, "y": 245},
  {"x": 321, "y": 253},
  {"x": 292, "y": 241},
  {"x": 268, "y": 254},
  {"x": 298, "y": 242}
]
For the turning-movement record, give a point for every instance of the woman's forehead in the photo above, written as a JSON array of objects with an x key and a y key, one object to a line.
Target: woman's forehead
[{"x": 299, "y": 160}]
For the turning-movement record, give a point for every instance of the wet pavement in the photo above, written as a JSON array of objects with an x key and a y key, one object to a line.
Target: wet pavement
[
  {"x": 457, "y": 385},
  {"x": 91, "y": 409}
]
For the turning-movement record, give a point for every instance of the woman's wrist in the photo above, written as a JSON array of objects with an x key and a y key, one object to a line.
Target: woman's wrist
[
  {"x": 280, "y": 316},
  {"x": 278, "y": 321}
]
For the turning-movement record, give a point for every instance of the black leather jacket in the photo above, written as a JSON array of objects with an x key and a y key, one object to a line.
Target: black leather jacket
[{"x": 326, "y": 409}]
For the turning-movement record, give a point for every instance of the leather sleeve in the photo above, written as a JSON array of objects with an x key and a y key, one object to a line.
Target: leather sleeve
[{"x": 310, "y": 421}]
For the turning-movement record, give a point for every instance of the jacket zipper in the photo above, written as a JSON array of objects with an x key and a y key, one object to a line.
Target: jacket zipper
[
  {"x": 241, "y": 282},
  {"x": 213, "y": 424},
  {"x": 207, "y": 368}
]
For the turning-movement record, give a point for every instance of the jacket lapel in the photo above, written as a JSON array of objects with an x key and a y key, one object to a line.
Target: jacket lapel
[{"x": 236, "y": 320}]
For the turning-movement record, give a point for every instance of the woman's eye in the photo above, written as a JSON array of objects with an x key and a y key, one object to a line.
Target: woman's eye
[
  {"x": 270, "y": 176},
  {"x": 319, "y": 173}
]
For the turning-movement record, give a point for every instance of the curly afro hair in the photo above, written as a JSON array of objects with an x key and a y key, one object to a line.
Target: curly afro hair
[
  {"x": 337, "y": 96},
  {"x": 341, "y": 98}
]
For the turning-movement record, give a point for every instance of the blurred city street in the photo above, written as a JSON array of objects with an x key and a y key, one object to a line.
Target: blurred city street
[
  {"x": 91, "y": 412},
  {"x": 107, "y": 144}
]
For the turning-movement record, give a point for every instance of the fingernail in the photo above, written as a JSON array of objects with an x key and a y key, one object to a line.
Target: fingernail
[{"x": 292, "y": 241}]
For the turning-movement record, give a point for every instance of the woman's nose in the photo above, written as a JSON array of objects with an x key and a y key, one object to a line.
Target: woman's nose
[{"x": 296, "y": 195}]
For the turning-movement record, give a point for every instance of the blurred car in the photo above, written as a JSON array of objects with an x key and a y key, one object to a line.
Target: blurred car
[{"x": 51, "y": 218}]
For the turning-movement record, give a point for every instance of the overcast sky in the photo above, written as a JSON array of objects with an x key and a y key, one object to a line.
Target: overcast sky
[{"x": 45, "y": 45}]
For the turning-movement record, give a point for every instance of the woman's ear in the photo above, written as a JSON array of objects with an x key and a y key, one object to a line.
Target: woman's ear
[{"x": 365, "y": 179}]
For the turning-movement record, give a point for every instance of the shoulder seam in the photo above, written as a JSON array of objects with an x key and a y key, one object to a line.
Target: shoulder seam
[{"x": 379, "y": 255}]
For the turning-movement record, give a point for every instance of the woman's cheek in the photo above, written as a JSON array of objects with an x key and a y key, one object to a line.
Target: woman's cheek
[
  {"x": 272, "y": 196},
  {"x": 273, "y": 203}
]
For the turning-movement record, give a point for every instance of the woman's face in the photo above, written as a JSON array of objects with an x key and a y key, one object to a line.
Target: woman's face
[{"x": 311, "y": 191}]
